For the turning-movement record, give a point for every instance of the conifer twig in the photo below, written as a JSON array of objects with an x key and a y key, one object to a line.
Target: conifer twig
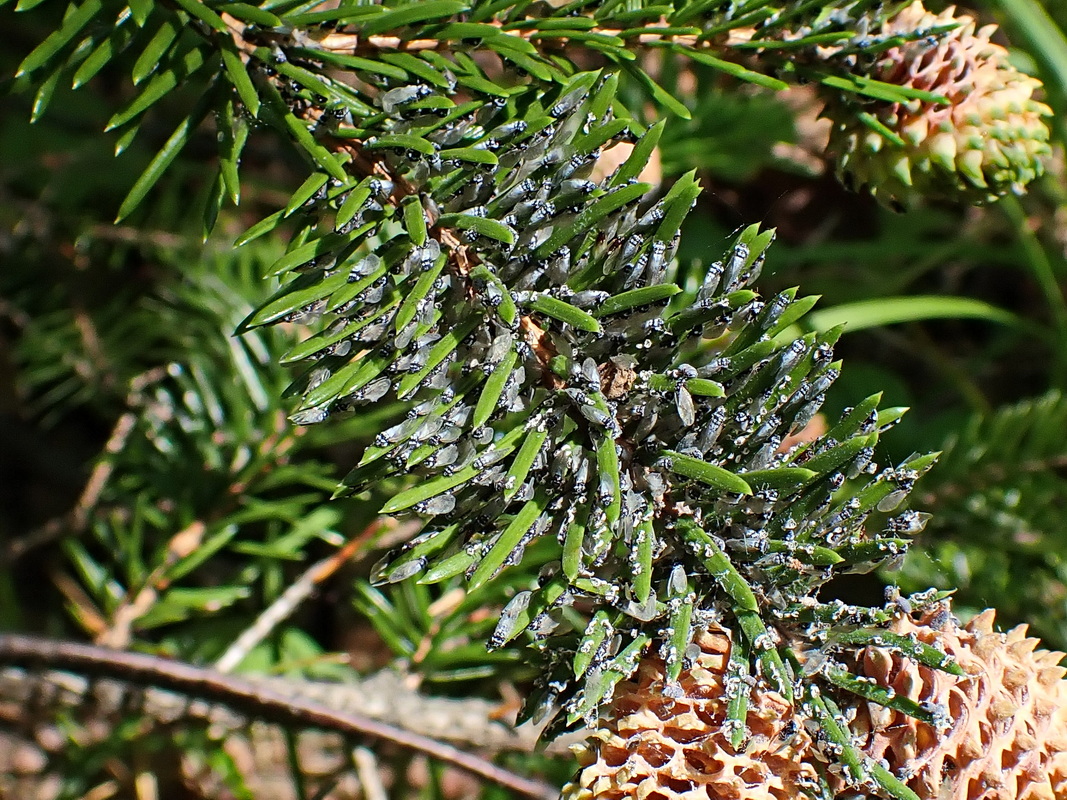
[{"x": 356, "y": 44}]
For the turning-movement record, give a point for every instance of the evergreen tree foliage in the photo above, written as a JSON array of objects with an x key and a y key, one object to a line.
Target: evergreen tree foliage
[
  {"x": 1000, "y": 477},
  {"x": 509, "y": 349}
]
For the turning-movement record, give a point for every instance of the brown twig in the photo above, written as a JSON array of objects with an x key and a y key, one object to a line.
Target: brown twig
[
  {"x": 354, "y": 43},
  {"x": 256, "y": 701}
]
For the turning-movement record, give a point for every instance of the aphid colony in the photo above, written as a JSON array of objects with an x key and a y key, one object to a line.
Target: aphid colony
[{"x": 560, "y": 388}]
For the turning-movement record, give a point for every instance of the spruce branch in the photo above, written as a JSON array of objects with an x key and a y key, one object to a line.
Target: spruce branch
[
  {"x": 587, "y": 423},
  {"x": 766, "y": 43},
  {"x": 995, "y": 499}
]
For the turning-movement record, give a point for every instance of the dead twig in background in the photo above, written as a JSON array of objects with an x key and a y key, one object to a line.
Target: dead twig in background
[
  {"x": 256, "y": 701},
  {"x": 468, "y": 722},
  {"x": 369, "y": 778}
]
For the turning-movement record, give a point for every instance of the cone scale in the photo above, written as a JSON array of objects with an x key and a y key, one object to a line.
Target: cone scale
[{"x": 1004, "y": 737}]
